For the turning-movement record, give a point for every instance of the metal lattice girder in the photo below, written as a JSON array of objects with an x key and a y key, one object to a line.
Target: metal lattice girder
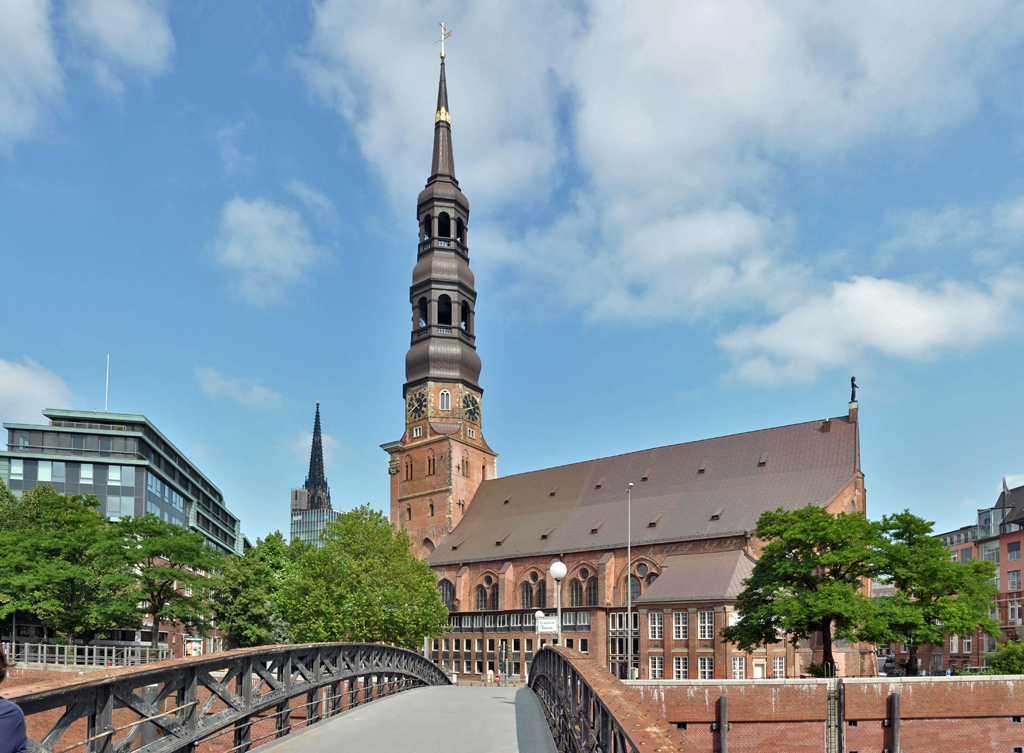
[
  {"x": 248, "y": 682},
  {"x": 590, "y": 711}
]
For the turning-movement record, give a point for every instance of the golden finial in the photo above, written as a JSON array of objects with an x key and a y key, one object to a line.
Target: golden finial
[{"x": 444, "y": 35}]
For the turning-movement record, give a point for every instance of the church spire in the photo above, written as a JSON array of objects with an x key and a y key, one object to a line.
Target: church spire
[
  {"x": 316, "y": 483},
  {"x": 442, "y": 166}
]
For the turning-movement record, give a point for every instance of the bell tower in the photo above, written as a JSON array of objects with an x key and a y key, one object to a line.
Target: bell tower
[{"x": 441, "y": 459}]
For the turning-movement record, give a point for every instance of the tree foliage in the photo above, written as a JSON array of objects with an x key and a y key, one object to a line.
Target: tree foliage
[
  {"x": 363, "y": 585},
  {"x": 934, "y": 595},
  {"x": 809, "y": 579},
  {"x": 249, "y": 593},
  {"x": 62, "y": 561},
  {"x": 1007, "y": 659},
  {"x": 172, "y": 567}
]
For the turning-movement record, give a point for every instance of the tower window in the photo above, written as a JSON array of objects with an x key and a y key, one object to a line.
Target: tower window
[
  {"x": 444, "y": 400},
  {"x": 465, "y": 465},
  {"x": 408, "y": 469},
  {"x": 444, "y": 310},
  {"x": 430, "y": 472},
  {"x": 417, "y": 431},
  {"x": 444, "y": 225},
  {"x": 471, "y": 433},
  {"x": 431, "y": 513},
  {"x": 426, "y": 228},
  {"x": 460, "y": 231},
  {"x": 408, "y": 513},
  {"x": 421, "y": 313}
]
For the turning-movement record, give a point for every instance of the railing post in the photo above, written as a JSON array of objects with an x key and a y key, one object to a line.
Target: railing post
[
  {"x": 284, "y": 709},
  {"x": 189, "y": 695},
  {"x": 894, "y": 721},
  {"x": 243, "y": 688},
  {"x": 723, "y": 723},
  {"x": 101, "y": 722}
]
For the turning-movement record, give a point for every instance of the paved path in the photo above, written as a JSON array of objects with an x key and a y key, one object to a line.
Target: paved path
[{"x": 446, "y": 719}]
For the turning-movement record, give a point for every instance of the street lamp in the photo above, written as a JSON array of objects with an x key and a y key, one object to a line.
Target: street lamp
[
  {"x": 629, "y": 583},
  {"x": 558, "y": 571}
]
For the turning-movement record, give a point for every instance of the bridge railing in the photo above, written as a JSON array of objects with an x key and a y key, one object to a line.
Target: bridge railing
[
  {"x": 219, "y": 703},
  {"x": 44, "y": 655},
  {"x": 589, "y": 710}
]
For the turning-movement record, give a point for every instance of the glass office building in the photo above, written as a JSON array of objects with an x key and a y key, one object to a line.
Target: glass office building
[{"x": 124, "y": 460}]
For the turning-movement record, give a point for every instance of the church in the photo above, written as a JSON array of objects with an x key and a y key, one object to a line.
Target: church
[{"x": 491, "y": 540}]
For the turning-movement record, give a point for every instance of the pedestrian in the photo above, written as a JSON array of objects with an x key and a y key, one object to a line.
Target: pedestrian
[{"x": 12, "y": 721}]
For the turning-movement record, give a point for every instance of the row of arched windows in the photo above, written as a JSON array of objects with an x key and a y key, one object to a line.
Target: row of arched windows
[
  {"x": 444, "y": 313},
  {"x": 430, "y": 511},
  {"x": 533, "y": 591},
  {"x": 444, "y": 227}
]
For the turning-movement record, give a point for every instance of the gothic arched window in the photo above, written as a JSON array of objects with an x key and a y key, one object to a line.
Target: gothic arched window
[
  {"x": 494, "y": 597},
  {"x": 465, "y": 465},
  {"x": 651, "y": 578},
  {"x": 447, "y": 591},
  {"x": 575, "y": 594},
  {"x": 592, "y": 592},
  {"x": 408, "y": 468},
  {"x": 634, "y": 588},
  {"x": 408, "y": 513},
  {"x": 481, "y": 598},
  {"x": 431, "y": 467},
  {"x": 431, "y": 513},
  {"x": 526, "y": 596},
  {"x": 444, "y": 225},
  {"x": 444, "y": 400},
  {"x": 542, "y": 595},
  {"x": 444, "y": 310}
]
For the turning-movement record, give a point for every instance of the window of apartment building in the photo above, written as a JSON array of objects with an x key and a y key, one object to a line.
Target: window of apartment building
[
  {"x": 657, "y": 664},
  {"x": 529, "y": 645},
  {"x": 1013, "y": 550},
  {"x": 583, "y": 618},
  {"x": 778, "y": 667},
  {"x": 966, "y": 644},
  {"x": 568, "y": 618},
  {"x": 515, "y": 620},
  {"x": 584, "y": 645},
  {"x": 706, "y": 668},
  {"x": 479, "y": 667},
  {"x": 44, "y": 471},
  {"x": 515, "y": 644},
  {"x": 1014, "y": 610},
  {"x": 490, "y": 645},
  {"x": 655, "y": 627},
  {"x": 680, "y": 667},
  {"x": 680, "y": 626},
  {"x": 705, "y": 625},
  {"x": 479, "y": 645},
  {"x": 739, "y": 667},
  {"x": 467, "y": 667},
  {"x": 954, "y": 644},
  {"x": 1012, "y": 578},
  {"x": 17, "y": 469},
  {"x": 444, "y": 644}
]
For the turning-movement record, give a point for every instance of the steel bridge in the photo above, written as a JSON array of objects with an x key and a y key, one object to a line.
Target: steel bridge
[{"x": 325, "y": 697}]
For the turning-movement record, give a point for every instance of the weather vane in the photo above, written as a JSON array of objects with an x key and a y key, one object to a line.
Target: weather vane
[{"x": 444, "y": 35}]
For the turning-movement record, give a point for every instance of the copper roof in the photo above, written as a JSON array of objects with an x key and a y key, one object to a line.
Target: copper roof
[
  {"x": 686, "y": 487},
  {"x": 699, "y": 577}
]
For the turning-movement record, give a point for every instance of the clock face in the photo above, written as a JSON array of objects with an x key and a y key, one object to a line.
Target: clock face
[
  {"x": 471, "y": 408},
  {"x": 417, "y": 405}
]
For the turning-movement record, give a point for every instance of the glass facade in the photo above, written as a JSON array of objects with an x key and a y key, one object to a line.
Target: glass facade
[
  {"x": 126, "y": 463},
  {"x": 307, "y": 524}
]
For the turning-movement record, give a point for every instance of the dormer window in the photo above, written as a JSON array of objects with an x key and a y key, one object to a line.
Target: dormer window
[{"x": 444, "y": 400}]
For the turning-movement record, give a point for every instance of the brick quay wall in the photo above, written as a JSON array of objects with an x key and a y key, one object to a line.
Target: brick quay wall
[{"x": 936, "y": 714}]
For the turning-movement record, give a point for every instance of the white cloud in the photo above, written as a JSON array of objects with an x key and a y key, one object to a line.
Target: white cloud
[
  {"x": 27, "y": 388},
  {"x": 673, "y": 123},
  {"x": 123, "y": 36},
  {"x": 231, "y": 156},
  {"x": 266, "y": 247},
  {"x": 865, "y": 315},
  {"x": 31, "y": 79},
  {"x": 247, "y": 392},
  {"x": 316, "y": 201}
]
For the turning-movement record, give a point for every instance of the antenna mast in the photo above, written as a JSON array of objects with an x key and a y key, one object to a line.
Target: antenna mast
[{"x": 106, "y": 390}]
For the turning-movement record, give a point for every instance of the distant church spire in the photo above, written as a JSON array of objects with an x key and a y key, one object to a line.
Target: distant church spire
[
  {"x": 316, "y": 482},
  {"x": 443, "y": 164}
]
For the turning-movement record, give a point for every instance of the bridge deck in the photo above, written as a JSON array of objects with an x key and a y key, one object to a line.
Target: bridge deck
[{"x": 433, "y": 720}]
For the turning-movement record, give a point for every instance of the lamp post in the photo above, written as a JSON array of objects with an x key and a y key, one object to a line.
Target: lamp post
[
  {"x": 558, "y": 571},
  {"x": 629, "y": 583}
]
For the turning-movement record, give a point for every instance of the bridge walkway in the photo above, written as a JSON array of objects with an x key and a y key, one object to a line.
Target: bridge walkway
[{"x": 437, "y": 719}]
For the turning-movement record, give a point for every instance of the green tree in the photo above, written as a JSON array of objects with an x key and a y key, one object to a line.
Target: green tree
[
  {"x": 173, "y": 572},
  {"x": 1007, "y": 659},
  {"x": 363, "y": 585},
  {"x": 934, "y": 595},
  {"x": 809, "y": 579},
  {"x": 62, "y": 561},
  {"x": 248, "y": 594}
]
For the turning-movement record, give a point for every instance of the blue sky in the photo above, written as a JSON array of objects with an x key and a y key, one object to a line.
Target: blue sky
[{"x": 688, "y": 220}]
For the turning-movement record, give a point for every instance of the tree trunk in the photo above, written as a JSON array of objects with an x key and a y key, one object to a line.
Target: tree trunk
[
  {"x": 912, "y": 669},
  {"x": 828, "y": 662}
]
